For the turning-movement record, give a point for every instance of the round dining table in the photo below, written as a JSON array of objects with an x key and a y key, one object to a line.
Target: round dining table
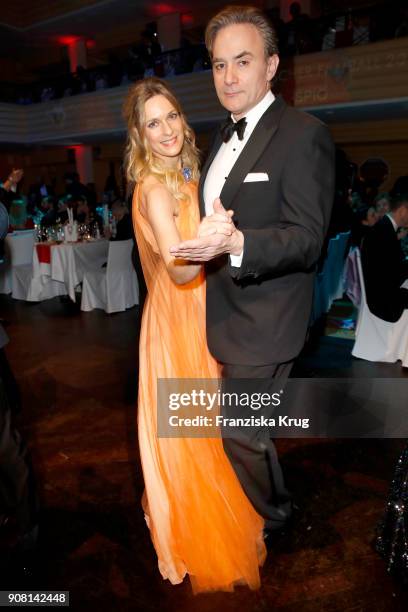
[{"x": 67, "y": 262}]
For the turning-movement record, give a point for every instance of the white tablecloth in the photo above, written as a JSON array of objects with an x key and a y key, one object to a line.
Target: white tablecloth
[{"x": 69, "y": 262}]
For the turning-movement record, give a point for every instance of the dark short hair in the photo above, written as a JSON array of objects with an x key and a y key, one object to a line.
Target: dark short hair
[
  {"x": 362, "y": 212},
  {"x": 400, "y": 186},
  {"x": 401, "y": 199},
  {"x": 236, "y": 15},
  {"x": 65, "y": 199},
  {"x": 50, "y": 199}
]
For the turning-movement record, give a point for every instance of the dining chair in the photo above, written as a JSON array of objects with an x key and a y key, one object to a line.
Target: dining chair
[
  {"x": 378, "y": 340},
  {"x": 114, "y": 288},
  {"x": 19, "y": 252}
]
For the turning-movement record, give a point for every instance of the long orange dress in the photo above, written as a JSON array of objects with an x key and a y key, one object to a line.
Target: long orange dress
[{"x": 200, "y": 520}]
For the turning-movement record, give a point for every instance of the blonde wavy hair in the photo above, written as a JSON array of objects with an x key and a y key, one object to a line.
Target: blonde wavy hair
[{"x": 139, "y": 158}]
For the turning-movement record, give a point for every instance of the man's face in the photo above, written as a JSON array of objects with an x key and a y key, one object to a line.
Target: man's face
[
  {"x": 82, "y": 207},
  {"x": 382, "y": 207},
  {"x": 242, "y": 73},
  {"x": 372, "y": 217},
  {"x": 118, "y": 212},
  {"x": 403, "y": 215}
]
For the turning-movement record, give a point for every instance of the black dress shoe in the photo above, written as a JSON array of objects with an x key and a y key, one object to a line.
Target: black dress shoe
[
  {"x": 19, "y": 571},
  {"x": 19, "y": 559},
  {"x": 8, "y": 532},
  {"x": 273, "y": 536}
]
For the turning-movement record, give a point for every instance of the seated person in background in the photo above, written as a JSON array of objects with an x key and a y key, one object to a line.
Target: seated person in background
[
  {"x": 92, "y": 196},
  {"x": 384, "y": 265},
  {"x": 124, "y": 227},
  {"x": 48, "y": 207},
  {"x": 382, "y": 204},
  {"x": 73, "y": 185},
  {"x": 39, "y": 190},
  {"x": 363, "y": 219},
  {"x": 400, "y": 186},
  {"x": 18, "y": 214},
  {"x": 56, "y": 211},
  {"x": 87, "y": 214},
  {"x": 18, "y": 217},
  {"x": 62, "y": 209}
]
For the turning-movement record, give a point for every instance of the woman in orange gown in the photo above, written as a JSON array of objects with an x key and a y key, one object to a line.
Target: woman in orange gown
[{"x": 200, "y": 520}]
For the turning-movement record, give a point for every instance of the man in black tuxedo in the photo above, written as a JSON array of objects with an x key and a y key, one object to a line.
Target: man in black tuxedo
[
  {"x": 18, "y": 499},
  {"x": 384, "y": 266},
  {"x": 273, "y": 166}
]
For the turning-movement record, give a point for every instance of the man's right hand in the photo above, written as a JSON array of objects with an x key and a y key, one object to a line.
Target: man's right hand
[{"x": 220, "y": 222}]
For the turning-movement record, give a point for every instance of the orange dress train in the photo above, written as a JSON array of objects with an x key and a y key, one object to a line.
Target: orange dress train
[{"x": 201, "y": 522}]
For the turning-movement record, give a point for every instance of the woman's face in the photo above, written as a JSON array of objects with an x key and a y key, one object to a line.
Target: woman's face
[
  {"x": 82, "y": 208},
  {"x": 382, "y": 207},
  {"x": 372, "y": 217},
  {"x": 163, "y": 129}
]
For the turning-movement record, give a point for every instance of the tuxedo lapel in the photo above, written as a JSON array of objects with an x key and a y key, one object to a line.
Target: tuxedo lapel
[
  {"x": 388, "y": 224},
  {"x": 210, "y": 157},
  {"x": 392, "y": 237},
  {"x": 259, "y": 139}
]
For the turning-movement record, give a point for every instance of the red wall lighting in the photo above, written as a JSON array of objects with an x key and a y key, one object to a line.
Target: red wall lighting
[
  {"x": 66, "y": 41},
  {"x": 163, "y": 9},
  {"x": 187, "y": 19}
]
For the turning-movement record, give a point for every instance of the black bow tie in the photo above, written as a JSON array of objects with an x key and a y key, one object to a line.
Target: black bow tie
[{"x": 231, "y": 126}]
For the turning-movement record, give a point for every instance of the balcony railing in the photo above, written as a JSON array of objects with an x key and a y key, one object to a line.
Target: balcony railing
[
  {"x": 333, "y": 30},
  {"x": 357, "y": 77},
  {"x": 91, "y": 115},
  {"x": 116, "y": 74}
]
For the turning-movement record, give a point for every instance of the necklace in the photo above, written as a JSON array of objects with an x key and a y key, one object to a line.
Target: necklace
[{"x": 187, "y": 174}]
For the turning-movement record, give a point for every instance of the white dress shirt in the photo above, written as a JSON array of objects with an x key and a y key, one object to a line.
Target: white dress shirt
[
  {"x": 391, "y": 218},
  {"x": 226, "y": 158}
]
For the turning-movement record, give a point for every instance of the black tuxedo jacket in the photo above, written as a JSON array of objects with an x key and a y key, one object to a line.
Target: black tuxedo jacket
[
  {"x": 124, "y": 228},
  {"x": 258, "y": 314},
  {"x": 384, "y": 271}
]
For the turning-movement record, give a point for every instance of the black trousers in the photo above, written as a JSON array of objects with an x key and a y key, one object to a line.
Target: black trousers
[
  {"x": 18, "y": 500},
  {"x": 10, "y": 385},
  {"x": 252, "y": 452}
]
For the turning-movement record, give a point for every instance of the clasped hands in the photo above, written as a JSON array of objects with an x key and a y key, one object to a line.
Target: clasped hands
[{"x": 216, "y": 235}]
